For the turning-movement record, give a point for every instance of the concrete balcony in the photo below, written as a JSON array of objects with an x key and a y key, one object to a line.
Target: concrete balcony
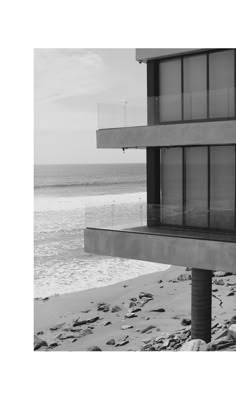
[
  {"x": 212, "y": 251},
  {"x": 194, "y": 133}
]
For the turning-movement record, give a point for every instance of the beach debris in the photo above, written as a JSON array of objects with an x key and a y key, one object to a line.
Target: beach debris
[
  {"x": 105, "y": 307},
  {"x": 194, "y": 345},
  {"x": 107, "y": 323},
  {"x": 94, "y": 349},
  {"x": 148, "y": 328},
  {"x": 111, "y": 342},
  {"x": 123, "y": 341},
  {"x": 145, "y": 294},
  {"x": 115, "y": 309},
  {"x": 185, "y": 321},
  {"x": 38, "y": 342},
  {"x": 88, "y": 321},
  {"x": 124, "y": 327},
  {"x": 130, "y": 315},
  {"x": 74, "y": 340},
  {"x": 184, "y": 277},
  {"x": 157, "y": 310}
]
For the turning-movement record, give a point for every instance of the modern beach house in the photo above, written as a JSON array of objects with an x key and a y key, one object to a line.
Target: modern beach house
[{"x": 190, "y": 142}]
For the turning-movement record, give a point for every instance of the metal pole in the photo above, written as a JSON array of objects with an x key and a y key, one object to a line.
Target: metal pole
[{"x": 201, "y": 304}]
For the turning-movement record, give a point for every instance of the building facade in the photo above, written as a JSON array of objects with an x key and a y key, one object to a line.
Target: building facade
[{"x": 190, "y": 142}]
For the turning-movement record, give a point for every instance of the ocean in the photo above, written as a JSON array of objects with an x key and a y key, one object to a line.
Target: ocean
[{"x": 67, "y": 199}]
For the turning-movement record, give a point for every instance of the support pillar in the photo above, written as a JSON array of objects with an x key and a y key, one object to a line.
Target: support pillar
[{"x": 201, "y": 304}]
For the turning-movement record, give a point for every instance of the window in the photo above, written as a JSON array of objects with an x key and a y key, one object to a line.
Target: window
[
  {"x": 170, "y": 90},
  {"x": 195, "y": 87},
  {"x": 196, "y": 207},
  {"x": 221, "y": 84},
  {"x": 222, "y": 189},
  {"x": 171, "y": 186}
]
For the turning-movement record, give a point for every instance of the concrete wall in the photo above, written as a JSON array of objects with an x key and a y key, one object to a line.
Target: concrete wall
[
  {"x": 148, "y": 54},
  {"x": 219, "y": 132},
  {"x": 205, "y": 254}
]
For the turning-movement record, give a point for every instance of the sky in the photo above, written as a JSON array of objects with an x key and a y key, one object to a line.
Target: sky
[{"x": 68, "y": 86}]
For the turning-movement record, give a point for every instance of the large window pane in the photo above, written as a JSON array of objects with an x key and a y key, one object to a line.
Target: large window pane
[
  {"x": 222, "y": 189},
  {"x": 170, "y": 90},
  {"x": 221, "y": 84},
  {"x": 195, "y": 87},
  {"x": 171, "y": 186},
  {"x": 196, "y": 186}
]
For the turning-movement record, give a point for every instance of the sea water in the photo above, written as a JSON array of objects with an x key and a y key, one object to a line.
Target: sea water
[{"x": 63, "y": 194}]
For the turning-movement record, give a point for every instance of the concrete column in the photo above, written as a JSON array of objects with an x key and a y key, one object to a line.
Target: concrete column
[{"x": 201, "y": 304}]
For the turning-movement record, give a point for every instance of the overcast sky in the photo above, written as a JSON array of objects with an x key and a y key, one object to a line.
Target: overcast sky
[{"x": 69, "y": 83}]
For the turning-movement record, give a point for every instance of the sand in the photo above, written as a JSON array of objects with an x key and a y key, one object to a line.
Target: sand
[{"x": 54, "y": 317}]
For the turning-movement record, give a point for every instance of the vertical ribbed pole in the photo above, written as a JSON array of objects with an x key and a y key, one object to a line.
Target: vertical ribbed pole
[{"x": 201, "y": 304}]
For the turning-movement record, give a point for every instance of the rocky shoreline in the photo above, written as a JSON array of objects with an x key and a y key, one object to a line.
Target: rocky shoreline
[{"x": 128, "y": 316}]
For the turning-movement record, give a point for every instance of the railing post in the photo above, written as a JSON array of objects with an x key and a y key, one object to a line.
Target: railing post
[{"x": 201, "y": 304}]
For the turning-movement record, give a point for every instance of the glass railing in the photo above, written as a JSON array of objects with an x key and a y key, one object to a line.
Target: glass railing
[
  {"x": 126, "y": 215},
  {"x": 198, "y": 105}
]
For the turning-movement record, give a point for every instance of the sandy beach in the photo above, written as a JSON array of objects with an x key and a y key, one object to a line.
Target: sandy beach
[{"x": 126, "y": 315}]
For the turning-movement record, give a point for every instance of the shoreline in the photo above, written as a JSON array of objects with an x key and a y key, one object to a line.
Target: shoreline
[{"x": 109, "y": 328}]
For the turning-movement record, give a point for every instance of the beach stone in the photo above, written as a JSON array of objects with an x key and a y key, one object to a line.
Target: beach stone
[
  {"x": 184, "y": 277},
  {"x": 115, "y": 309},
  {"x": 232, "y": 331},
  {"x": 107, "y": 323},
  {"x": 122, "y": 343},
  {"x": 158, "y": 310},
  {"x": 147, "y": 340},
  {"x": 85, "y": 332},
  {"x": 134, "y": 299},
  {"x": 219, "y": 282},
  {"x": 111, "y": 342},
  {"x": 103, "y": 307},
  {"x": 135, "y": 309},
  {"x": 160, "y": 281},
  {"x": 132, "y": 304},
  {"x": 185, "y": 321},
  {"x": 88, "y": 321},
  {"x": 94, "y": 349},
  {"x": 130, "y": 315},
  {"x": 124, "y": 327},
  {"x": 56, "y": 327},
  {"x": 148, "y": 328},
  {"x": 53, "y": 345},
  {"x": 145, "y": 300},
  {"x": 147, "y": 318},
  {"x": 230, "y": 294},
  {"x": 145, "y": 294},
  {"x": 38, "y": 342},
  {"x": 194, "y": 345}
]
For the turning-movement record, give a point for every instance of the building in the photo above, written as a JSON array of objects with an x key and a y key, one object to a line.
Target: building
[{"x": 190, "y": 142}]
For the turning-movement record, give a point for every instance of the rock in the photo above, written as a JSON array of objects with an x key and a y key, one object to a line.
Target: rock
[
  {"x": 161, "y": 287},
  {"x": 194, "y": 345},
  {"x": 88, "y": 321},
  {"x": 135, "y": 310},
  {"x": 111, "y": 342},
  {"x": 215, "y": 290},
  {"x": 230, "y": 294},
  {"x": 158, "y": 310},
  {"x": 185, "y": 322},
  {"x": 145, "y": 294},
  {"x": 38, "y": 342},
  {"x": 85, "y": 332},
  {"x": 115, "y": 309},
  {"x": 125, "y": 286},
  {"x": 184, "y": 277},
  {"x": 103, "y": 307},
  {"x": 56, "y": 327},
  {"x": 53, "y": 345},
  {"x": 123, "y": 342},
  {"x": 124, "y": 327},
  {"x": 232, "y": 331},
  {"x": 74, "y": 340},
  {"x": 221, "y": 273},
  {"x": 134, "y": 299},
  {"x": 45, "y": 298},
  {"x": 40, "y": 333},
  {"x": 147, "y": 340},
  {"x": 94, "y": 349},
  {"x": 107, "y": 323},
  {"x": 188, "y": 269},
  {"x": 145, "y": 300},
  {"x": 219, "y": 282},
  {"x": 160, "y": 281},
  {"x": 147, "y": 328},
  {"x": 147, "y": 318},
  {"x": 132, "y": 304},
  {"x": 130, "y": 315},
  {"x": 86, "y": 311}
]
